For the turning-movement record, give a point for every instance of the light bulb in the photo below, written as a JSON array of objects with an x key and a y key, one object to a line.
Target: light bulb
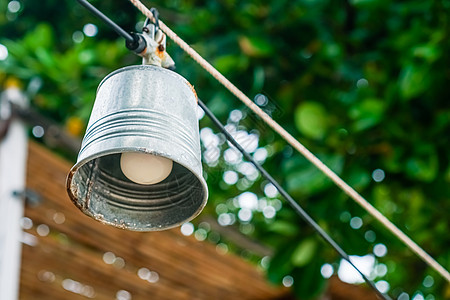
[{"x": 145, "y": 168}]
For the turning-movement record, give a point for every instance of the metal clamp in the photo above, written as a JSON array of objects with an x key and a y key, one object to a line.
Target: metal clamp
[{"x": 155, "y": 52}]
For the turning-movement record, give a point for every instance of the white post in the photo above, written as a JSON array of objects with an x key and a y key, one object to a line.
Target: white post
[{"x": 13, "y": 156}]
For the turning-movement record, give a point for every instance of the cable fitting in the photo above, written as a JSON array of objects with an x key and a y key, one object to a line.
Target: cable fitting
[
  {"x": 155, "y": 52},
  {"x": 137, "y": 45}
]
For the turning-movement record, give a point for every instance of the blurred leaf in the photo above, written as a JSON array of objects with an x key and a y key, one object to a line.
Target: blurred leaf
[
  {"x": 45, "y": 57},
  {"x": 225, "y": 63},
  {"x": 310, "y": 180},
  {"x": 332, "y": 51},
  {"x": 15, "y": 49},
  {"x": 218, "y": 104},
  {"x": 283, "y": 228},
  {"x": 423, "y": 168},
  {"x": 230, "y": 63},
  {"x": 258, "y": 78},
  {"x": 41, "y": 36},
  {"x": 304, "y": 252},
  {"x": 294, "y": 164},
  {"x": 413, "y": 81},
  {"x": 255, "y": 46},
  {"x": 86, "y": 56},
  {"x": 367, "y": 113},
  {"x": 311, "y": 119},
  {"x": 428, "y": 52}
]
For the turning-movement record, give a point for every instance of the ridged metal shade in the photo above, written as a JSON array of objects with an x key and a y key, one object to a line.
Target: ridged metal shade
[{"x": 144, "y": 109}]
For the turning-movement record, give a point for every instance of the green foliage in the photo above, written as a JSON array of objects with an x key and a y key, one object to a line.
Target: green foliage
[{"x": 363, "y": 83}]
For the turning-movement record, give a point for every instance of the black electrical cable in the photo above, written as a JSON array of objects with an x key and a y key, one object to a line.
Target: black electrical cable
[
  {"x": 297, "y": 208},
  {"x": 107, "y": 20},
  {"x": 133, "y": 41}
]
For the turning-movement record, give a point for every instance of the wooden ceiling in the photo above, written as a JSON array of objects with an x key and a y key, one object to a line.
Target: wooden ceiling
[{"x": 66, "y": 255}]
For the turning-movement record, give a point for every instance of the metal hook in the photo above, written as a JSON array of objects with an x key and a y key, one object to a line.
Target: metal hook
[{"x": 155, "y": 13}]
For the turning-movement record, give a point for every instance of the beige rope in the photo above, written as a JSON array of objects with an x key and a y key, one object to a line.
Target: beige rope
[{"x": 297, "y": 145}]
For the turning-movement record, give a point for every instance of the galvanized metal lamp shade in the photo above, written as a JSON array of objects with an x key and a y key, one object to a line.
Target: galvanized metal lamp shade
[{"x": 145, "y": 109}]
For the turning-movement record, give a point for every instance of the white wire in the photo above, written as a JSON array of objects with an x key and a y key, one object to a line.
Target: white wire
[{"x": 297, "y": 145}]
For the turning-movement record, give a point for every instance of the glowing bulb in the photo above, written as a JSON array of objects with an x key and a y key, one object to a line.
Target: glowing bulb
[{"x": 144, "y": 168}]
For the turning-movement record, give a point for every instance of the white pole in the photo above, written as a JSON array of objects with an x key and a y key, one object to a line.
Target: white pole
[{"x": 13, "y": 156}]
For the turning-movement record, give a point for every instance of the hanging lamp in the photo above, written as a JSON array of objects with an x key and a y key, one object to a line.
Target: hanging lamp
[{"x": 139, "y": 167}]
